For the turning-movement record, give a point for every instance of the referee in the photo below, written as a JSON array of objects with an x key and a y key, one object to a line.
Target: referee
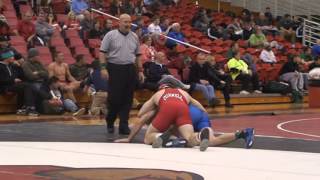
[{"x": 120, "y": 64}]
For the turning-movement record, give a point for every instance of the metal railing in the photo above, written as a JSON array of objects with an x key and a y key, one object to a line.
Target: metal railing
[{"x": 311, "y": 32}]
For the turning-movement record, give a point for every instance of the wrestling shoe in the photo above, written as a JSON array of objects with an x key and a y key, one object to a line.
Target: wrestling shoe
[
  {"x": 249, "y": 137},
  {"x": 204, "y": 138},
  {"x": 176, "y": 143},
  {"x": 161, "y": 140}
]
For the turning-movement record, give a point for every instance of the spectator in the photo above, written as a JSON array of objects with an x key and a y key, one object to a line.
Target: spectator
[
  {"x": 60, "y": 69},
  {"x": 146, "y": 49},
  {"x": 286, "y": 29},
  {"x": 236, "y": 27},
  {"x": 79, "y": 70},
  {"x": 262, "y": 20},
  {"x": 315, "y": 64},
  {"x": 246, "y": 15},
  {"x": 267, "y": 55},
  {"x": 247, "y": 30},
  {"x": 154, "y": 71},
  {"x": 199, "y": 75},
  {"x": 268, "y": 15},
  {"x": 154, "y": 26},
  {"x": 97, "y": 32},
  {"x": 10, "y": 82},
  {"x": 140, "y": 24},
  {"x": 234, "y": 47},
  {"x": 127, "y": 7},
  {"x": 107, "y": 27},
  {"x": 25, "y": 27},
  {"x": 4, "y": 27},
  {"x": 72, "y": 22},
  {"x": 43, "y": 29},
  {"x": 175, "y": 33},
  {"x": 79, "y": 7},
  {"x": 220, "y": 80},
  {"x": 306, "y": 54},
  {"x": 53, "y": 101},
  {"x": 86, "y": 24},
  {"x": 99, "y": 90},
  {"x": 115, "y": 7},
  {"x": 164, "y": 24},
  {"x": 257, "y": 39},
  {"x": 239, "y": 70},
  {"x": 35, "y": 73},
  {"x": 4, "y": 44},
  {"x": 214, "y": 32},
  {"x": 290, "y": 73},
  {"x": 316, "y": 50}
]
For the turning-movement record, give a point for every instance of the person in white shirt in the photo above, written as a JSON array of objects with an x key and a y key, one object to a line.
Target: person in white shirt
[
  {"x": 154, "y": 27},
  {"x": 267, "y": 55}
]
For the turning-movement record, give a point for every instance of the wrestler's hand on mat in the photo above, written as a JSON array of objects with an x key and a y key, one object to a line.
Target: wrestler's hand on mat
[
  {"x": 124, "y": 140},
  {"x": 104, "y": 74}
]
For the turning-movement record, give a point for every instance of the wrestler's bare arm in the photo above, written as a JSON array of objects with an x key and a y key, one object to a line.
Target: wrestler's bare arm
[
  {"x": 50, "y": 70},
  {"x": 151, "y": 104}
]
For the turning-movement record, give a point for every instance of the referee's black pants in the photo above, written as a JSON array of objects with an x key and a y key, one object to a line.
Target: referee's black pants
[{"x": 122, "y": 83}]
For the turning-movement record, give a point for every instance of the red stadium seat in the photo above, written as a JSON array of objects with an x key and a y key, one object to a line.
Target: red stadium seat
[
  {"x": 17, "y": 40},
  {"x": 94, "y": 43},
  {"x": 174, "y": 72}
]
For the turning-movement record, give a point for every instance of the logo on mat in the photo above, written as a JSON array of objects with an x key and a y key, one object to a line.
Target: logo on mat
[{"x": 56, "y": 172}]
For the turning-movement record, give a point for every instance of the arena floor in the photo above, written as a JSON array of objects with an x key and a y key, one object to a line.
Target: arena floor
[{"x": 287, "y": 146}]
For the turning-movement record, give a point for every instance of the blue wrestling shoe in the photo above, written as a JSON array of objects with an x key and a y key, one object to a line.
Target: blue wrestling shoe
[
  {"x": 204, "y": 138},
  {"x": 249, "y": 137}
]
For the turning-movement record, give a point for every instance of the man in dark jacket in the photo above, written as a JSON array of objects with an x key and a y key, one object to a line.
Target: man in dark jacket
[
  {"x": 219, "y": 79},
  {"x": 154, "y": 71},
  {"x": 34, "y": 71},
  {"x": 290, "y": 73},
  {"x": 11, "y": 83},
  {"x": 199, "y": 76}
]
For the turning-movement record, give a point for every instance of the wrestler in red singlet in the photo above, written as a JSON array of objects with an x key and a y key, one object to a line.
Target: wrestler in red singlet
[{"x": 173, "y": 109}]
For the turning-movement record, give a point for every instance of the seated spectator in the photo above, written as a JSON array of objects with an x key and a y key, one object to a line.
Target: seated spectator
[
  {"x": 154, "y": 26},
  {"x": 154, "y": 71},
  {"x": 268, "y": 15},
  {"x": 214, "y": 32},
  {"x": 175, "y": 33},
  {"x": 107, "y": 26},
  {"x": 290, "y": 73},
  {"x": 239, "y": 70},
  {"x": 35, "y": 73},
  {"x": 257, "y": 39},
  {"x": 306, "y": 55},
  {"x": 25, "y": 27},
  {"x": 86, "y": 24},
  {"x": 139, "y": 22},
  {"x": 246, "y": 15},
  {"x": 60, "y": 69},
  {"x": 127, "y": 7},
  {"x": 316, "y": 49},
  {"x": 97, "y": 32},
  {"x": 236, "y": 27},
  {"x": 10, "y": 82},
  {"x": 220, "y": 80},
  {"x": 286, "y": 29},
  {"x": 262, "y": 21},
  {"x": 4, "y": 44},
  {"x": 164, "y": 24},
  {"x": 267, "y": 55},
  {"x": 52, "y": 100},
  {"x": 43, "y": 29},
  {"x": 199, "y": 76},
  {"x": 201, "y": 23},
  {"x": 4, "y": 27},
  {"x": 315, "y": 64},
  {"x": 79, "y": 7},
  {"x": 247, "y": 30},
  {"x": 98, "y": 90},
  {"x": 72, "y": 22},
  {"x": 115, "y": 7},
  {"x": 79, "y": 70},
  {"x": 146, "y": 49},
  {"x": 234, "y": 47}
]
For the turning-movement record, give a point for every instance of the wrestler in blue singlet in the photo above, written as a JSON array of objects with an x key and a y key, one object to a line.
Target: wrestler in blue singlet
[{"x": 199, "y": 118}]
